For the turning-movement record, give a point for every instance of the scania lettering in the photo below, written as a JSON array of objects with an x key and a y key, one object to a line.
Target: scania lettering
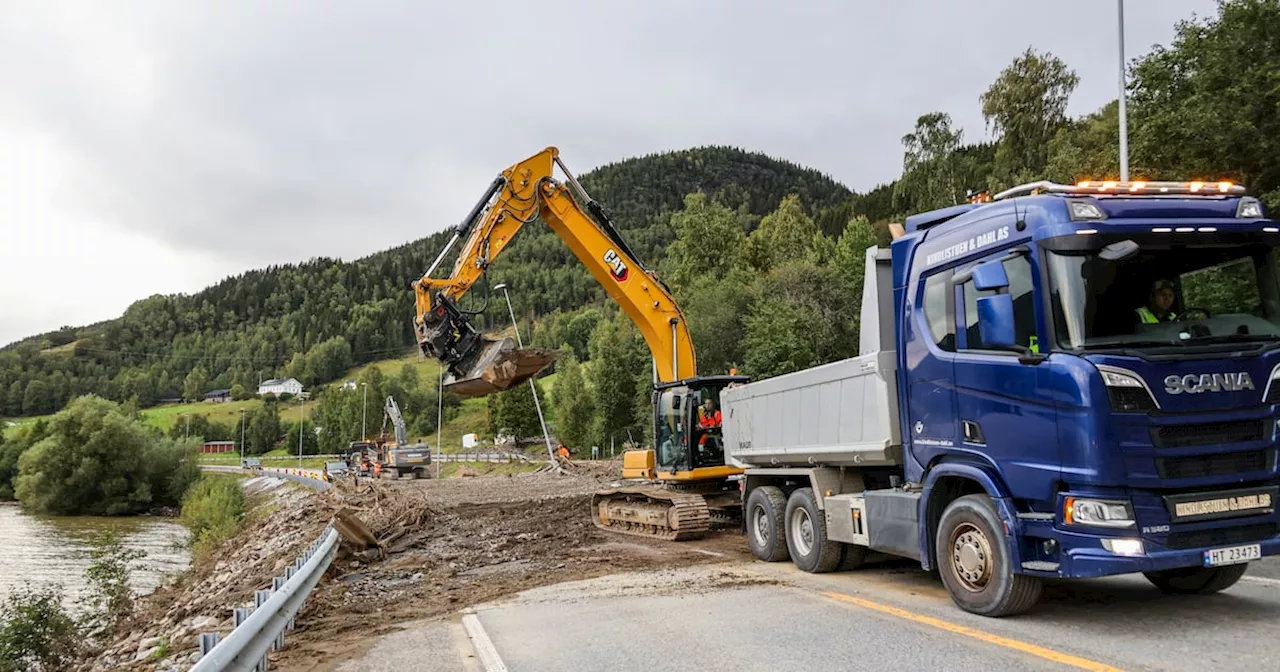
[{"x": 1054, "y": 382}]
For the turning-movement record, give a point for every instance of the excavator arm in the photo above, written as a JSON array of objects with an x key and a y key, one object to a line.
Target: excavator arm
[{"x": 524, "y": 192}]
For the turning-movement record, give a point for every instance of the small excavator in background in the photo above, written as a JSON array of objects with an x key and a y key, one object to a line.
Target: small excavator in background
[
  {"x": 395, "y": 456},
  {"x": 674, "y": 491}
]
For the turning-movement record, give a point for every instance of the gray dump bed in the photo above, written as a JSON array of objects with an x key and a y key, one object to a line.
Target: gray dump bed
[{"x": 840, "y": 414}]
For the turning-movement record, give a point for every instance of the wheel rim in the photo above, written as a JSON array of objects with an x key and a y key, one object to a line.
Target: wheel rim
[
  {"x": 760, "y": 526},
  {"x": 971, "y": 557},
  {"x": 802, "y": 530}
]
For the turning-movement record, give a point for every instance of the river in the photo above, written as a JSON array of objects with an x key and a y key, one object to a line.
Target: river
[{"x": 53, "y": 549}]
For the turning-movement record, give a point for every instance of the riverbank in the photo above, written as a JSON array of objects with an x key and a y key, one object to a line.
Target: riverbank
[{"x": 280, "y": 519}]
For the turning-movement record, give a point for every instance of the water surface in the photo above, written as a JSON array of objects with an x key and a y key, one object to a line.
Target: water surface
[{"x": 54, "y": 549}]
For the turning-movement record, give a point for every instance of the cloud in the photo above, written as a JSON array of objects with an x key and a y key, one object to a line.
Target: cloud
[{"x": 244, "y": 133}]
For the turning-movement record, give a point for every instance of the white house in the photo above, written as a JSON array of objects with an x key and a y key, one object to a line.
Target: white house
[{"x": 279, "y": 386}]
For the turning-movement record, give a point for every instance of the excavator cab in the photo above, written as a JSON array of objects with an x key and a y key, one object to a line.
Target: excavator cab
[{"x": 687, "y": 434}]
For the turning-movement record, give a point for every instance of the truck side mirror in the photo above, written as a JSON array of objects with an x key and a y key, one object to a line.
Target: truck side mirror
[{"x": 995, "y": 321}]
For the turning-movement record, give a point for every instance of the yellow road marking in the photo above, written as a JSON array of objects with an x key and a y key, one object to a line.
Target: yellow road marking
[{"x": 1025, "y": 647}]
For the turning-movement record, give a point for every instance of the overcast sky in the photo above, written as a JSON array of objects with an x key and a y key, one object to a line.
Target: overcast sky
[{"x": 156, "y": 147}]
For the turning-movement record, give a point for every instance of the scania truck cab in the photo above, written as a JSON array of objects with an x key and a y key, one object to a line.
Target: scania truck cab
[{"x": 1031, "y": 404}]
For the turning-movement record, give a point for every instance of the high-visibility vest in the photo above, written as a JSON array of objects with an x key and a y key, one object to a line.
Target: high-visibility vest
[{"x": 1149, "y": 317}]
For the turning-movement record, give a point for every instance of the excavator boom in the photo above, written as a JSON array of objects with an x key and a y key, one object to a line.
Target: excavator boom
[{"x": 524, "y": 192}]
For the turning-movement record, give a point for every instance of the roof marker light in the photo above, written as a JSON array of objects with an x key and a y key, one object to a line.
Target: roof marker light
[
  {"x": 1207, "y": 229},
  {"x": 1183, "y": 229},
  {"x": 1224, "y": 186},
  {"x": 1271, "y": 229},
  {"x": 1196, "y": 186},
  {"x": 1086, "y": 232},
  {"x": 1138, "y": 186},
  {"x": 1161, "y": 229}
]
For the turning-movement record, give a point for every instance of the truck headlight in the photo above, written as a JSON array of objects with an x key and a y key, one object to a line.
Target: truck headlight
[
  {"x": 1126, "y": 391},
  {"x": 1097, "y": 512}
]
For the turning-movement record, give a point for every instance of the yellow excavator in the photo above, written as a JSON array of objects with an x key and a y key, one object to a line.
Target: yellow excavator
[{"x": 675, "y": 491}]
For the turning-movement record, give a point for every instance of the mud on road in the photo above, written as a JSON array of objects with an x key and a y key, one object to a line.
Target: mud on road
[{"x": 461, "y": 541}]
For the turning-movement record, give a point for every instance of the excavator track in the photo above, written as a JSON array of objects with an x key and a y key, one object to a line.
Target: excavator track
[{"x": 654, "y": 513}]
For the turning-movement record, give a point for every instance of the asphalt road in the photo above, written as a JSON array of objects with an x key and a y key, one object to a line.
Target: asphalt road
[{"x": 744, "y": 615}]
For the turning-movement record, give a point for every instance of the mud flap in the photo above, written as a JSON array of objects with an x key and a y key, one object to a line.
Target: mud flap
[{"x": 497, "y": 366}]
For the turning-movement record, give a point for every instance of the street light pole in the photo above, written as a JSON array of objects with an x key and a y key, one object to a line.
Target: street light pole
[
  {"x": 364, "y": 411},
  {"x": 301, "y": 426},
  {"x": 551, "y": 455},
  {"x": 1124, "y": 119},
  {"x": 439, "y": 421}
]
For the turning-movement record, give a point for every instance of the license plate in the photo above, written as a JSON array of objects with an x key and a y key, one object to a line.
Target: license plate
[{"x": 1232, "y": 555}]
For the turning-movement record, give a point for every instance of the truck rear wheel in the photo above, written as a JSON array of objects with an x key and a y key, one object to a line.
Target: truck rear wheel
[
  {"x": 975, "y": 564},
  {"x": 807, "y": 534},
  {"x": 765, "y": 516},
  {"x": 1196, "y": 580}
]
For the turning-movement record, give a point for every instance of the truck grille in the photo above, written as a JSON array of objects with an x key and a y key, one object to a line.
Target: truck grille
[
  {"x": 1219, "y": 537},
  {"x": 1222, "y": 464},
  {"x": 1208, "y": 433}
]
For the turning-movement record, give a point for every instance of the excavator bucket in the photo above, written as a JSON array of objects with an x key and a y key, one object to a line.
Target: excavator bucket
[{"x": 498, "y": 366}]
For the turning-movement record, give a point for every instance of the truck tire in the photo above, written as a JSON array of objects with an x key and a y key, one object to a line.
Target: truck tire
[
  {"x": 806, "y": 529},
  {"x": 1196, "y": 580},
  {"x": 975, "y": 564},
  {"x": 764, "y": 519}
]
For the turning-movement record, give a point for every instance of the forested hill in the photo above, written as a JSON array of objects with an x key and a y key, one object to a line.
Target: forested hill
[{"x": 313, "y": 320}]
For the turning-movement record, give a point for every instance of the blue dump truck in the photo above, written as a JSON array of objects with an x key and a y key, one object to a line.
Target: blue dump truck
[{"x": 1057, "y": 381}]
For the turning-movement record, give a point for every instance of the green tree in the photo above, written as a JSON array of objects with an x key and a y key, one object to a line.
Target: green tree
[
  {"x": 516, "y": 412},
  {"x": 784, "y": 234},
  {"x": 615, "y": 350},
  {"x": 708, "y": 240},
  {"x": 574, "y": 402},
  {"x": 193, "y": 386},
  {"x": 98, "y": 459},
  {"x": 930, "y": 171},
  {"x": 1025, "y": 107},
  {"x": 1207, "y": 106}
]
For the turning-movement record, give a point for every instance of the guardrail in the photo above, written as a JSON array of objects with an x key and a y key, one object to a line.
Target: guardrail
[
  {"x": 261, "y": 628},
  {"x": 480, "y": 457}
]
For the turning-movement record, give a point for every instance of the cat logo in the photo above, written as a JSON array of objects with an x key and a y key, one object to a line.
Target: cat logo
[{"x": 616, "y": 265}]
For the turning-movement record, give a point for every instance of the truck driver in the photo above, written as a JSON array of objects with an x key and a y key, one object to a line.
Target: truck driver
[{"x": 1159, "y": 306}]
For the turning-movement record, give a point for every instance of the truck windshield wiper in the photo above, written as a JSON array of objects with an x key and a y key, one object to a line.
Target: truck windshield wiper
[{"x": 1108, "y": 345}]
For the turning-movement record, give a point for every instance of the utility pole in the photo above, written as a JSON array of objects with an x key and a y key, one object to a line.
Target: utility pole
[
  {"x": 440, "y": 421},
  {"x": 1124, "y": 120},
  {"x": 538, "y": 405},
  {"x": 188, "y": 435},
  {"x": 242, "y": 438},
  {"x": 301, "y": 426},
  {"x": 364, "y": 411}
]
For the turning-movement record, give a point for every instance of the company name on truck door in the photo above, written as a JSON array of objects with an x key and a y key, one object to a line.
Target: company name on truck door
[{"x": 975, "y": 243}]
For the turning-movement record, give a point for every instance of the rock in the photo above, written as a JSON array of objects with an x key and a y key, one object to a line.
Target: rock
[
  {"x": 355, "y": 564},
  {"x": 150, "y": 643},
  {"x": 144, "y": 654}
]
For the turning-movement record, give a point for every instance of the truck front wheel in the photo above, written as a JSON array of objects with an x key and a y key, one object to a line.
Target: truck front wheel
[
  {"x": 766, "y": 507},
  {"x": 1196, "y": 580},
  {"x": 807, "y": 534},
  {"x": 975, "y": 564}
]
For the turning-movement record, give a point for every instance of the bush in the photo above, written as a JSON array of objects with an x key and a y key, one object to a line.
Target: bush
[
  {"x": 98, "y": 458},
  {"x": 212, "y": 509},
  {"x": 110, "y": 596},
  {"x": 36, "y": 633}
]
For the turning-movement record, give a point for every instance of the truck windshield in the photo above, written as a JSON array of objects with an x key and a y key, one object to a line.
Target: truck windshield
[{"x": 1167, "y": 295}]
